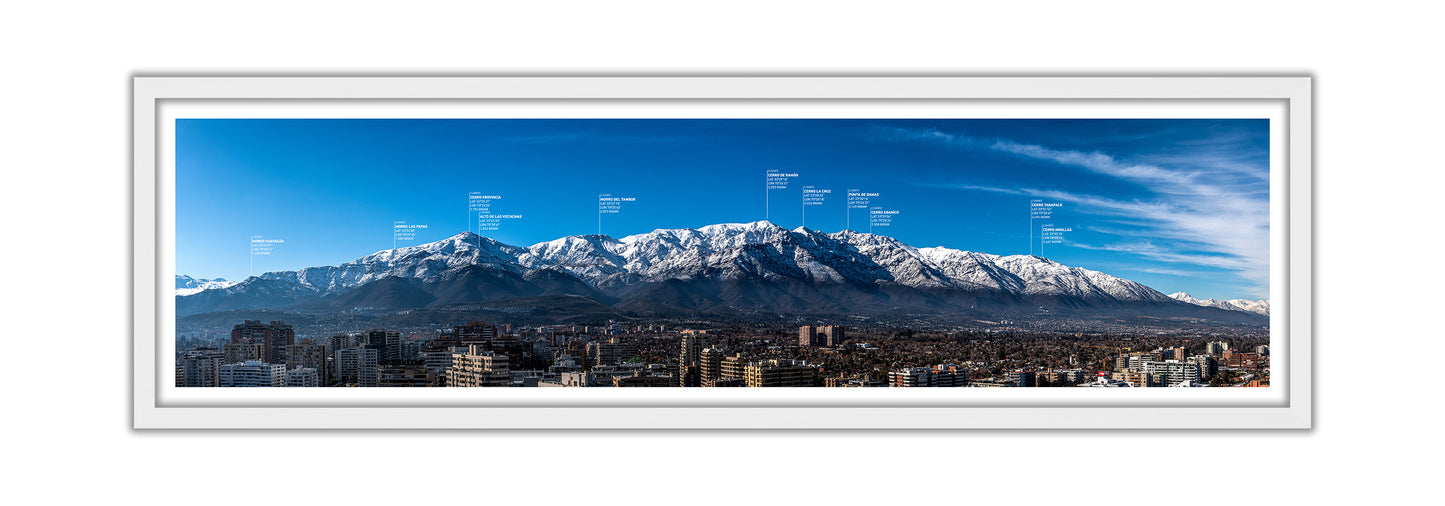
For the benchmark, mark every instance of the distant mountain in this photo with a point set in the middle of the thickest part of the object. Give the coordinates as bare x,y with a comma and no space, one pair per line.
251,293
427,262
1251,306
186,285
714,269
386,292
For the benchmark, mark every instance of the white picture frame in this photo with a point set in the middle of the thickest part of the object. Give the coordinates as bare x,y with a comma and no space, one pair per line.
156,99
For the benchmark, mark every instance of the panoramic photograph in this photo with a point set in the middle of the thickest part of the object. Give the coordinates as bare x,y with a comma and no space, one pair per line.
872,253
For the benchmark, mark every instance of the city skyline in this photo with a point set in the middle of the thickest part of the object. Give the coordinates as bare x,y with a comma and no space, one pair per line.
648,354
1179,205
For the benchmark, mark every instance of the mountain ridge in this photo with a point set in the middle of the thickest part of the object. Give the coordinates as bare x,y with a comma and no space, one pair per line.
757,265
186,285
1251,306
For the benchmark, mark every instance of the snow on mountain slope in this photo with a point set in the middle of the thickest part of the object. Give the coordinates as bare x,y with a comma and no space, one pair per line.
1250,306
186,285
1042,276
737,251
588,256
1253,306
425,261
975,269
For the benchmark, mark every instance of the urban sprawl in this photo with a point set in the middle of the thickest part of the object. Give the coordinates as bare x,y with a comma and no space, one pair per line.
479,354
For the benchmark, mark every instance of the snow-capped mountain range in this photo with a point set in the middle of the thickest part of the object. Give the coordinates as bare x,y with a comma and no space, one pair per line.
1252,306
737,265
186,285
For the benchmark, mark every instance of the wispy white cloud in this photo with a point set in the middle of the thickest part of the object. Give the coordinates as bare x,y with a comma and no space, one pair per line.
1192,212
1170,272
1097,162
1215,163
1150,250
1187,273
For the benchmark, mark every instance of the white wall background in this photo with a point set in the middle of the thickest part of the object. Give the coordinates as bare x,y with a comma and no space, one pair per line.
65,196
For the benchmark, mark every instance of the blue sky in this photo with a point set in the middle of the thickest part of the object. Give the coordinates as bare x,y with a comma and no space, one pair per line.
1175,204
